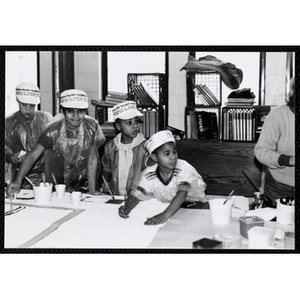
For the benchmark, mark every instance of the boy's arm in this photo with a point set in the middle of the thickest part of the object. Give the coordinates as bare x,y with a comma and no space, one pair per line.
14,187
130,203
169,211
92,171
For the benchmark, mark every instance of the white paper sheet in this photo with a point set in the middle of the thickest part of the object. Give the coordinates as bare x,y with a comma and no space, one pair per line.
101,227
21,227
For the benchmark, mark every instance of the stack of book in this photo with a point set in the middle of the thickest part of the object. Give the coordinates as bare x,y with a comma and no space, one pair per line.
104,107
104,111
239,124
143,95
202,125
241,98
204,96
150,123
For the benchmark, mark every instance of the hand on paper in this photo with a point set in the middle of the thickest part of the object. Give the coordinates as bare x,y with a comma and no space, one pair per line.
124,212
158,219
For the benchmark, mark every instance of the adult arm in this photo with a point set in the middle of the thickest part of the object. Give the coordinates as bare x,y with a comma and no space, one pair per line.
31,158
266,148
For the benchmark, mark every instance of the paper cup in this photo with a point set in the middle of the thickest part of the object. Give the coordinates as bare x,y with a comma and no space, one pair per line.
76,197
60,190
220,213
42,194
285,213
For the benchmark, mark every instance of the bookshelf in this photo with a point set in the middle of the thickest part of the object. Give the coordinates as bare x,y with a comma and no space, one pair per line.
149,92
203,110
238,124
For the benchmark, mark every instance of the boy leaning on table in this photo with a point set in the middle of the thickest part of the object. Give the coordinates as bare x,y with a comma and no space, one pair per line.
169,180
124,156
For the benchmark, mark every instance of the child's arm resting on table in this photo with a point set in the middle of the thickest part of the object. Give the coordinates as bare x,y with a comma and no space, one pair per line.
130,203
169,211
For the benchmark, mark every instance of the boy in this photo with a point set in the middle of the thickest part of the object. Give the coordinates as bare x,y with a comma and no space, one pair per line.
170,180
71,145
22,130
124,156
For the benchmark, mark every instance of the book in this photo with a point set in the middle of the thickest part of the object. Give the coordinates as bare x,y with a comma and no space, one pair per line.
151,122
177,133
204,95
211,95
141,96
207,126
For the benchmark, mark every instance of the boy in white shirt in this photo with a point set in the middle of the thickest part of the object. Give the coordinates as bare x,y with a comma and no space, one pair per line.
170,180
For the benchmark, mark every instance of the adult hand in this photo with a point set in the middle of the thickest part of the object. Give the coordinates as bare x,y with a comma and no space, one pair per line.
124,212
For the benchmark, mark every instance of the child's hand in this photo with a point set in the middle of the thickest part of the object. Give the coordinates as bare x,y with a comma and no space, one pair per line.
105,189
124,212
158,219
95,193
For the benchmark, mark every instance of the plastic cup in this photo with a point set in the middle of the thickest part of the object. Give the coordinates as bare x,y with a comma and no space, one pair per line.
76,197
43,193
60,190
285,213
220,213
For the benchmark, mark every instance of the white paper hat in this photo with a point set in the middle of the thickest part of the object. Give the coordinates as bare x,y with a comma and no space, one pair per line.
74,99
125,111
159,139
28,93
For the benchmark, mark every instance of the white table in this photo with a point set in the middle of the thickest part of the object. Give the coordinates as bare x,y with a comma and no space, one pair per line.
96,224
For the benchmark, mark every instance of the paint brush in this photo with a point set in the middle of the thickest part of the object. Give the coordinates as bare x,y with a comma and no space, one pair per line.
53,177
228,197
31,183
107,186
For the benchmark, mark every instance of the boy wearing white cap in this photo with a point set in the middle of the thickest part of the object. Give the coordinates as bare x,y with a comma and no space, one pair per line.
71,145
170,180
124,156
23,129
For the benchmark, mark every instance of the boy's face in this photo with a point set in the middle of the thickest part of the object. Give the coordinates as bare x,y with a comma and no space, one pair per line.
166,156
26,110
74,117
129,128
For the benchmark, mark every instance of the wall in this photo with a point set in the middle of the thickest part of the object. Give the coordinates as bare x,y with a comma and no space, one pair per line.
275,78
19,67
177,89
87,73
46,81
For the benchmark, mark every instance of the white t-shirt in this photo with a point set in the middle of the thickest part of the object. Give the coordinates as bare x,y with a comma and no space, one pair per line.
184,178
